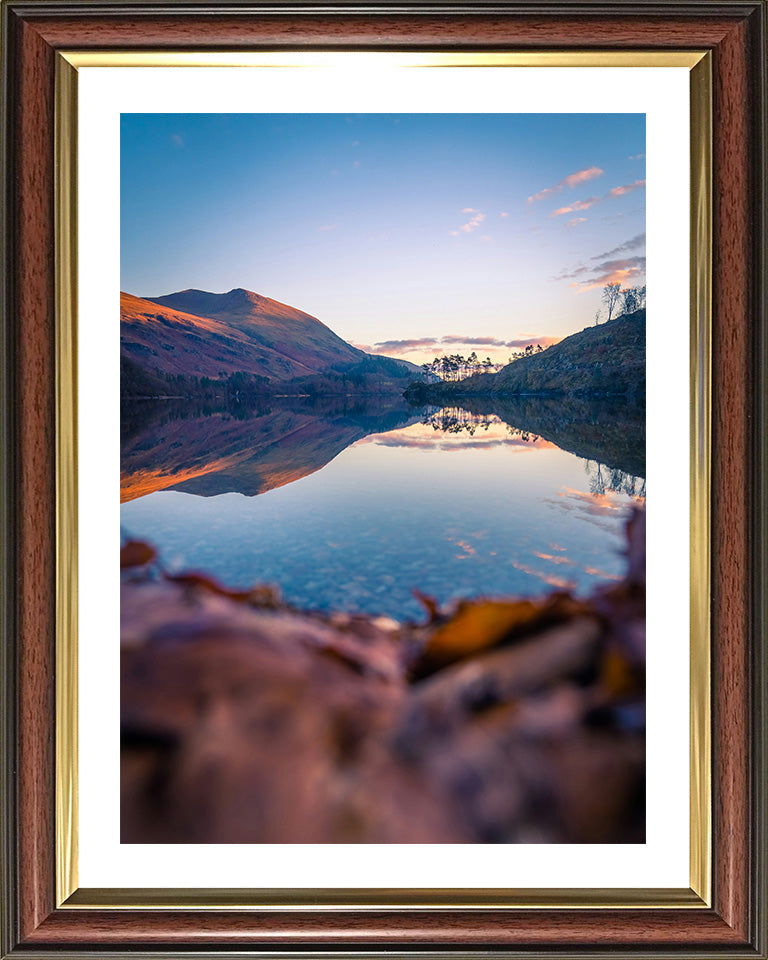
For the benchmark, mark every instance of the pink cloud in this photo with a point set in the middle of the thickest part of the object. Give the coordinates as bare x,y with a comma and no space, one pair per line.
626,188
404,346
586,204
581,176
610,270
571,181
576,206
614,271
473,224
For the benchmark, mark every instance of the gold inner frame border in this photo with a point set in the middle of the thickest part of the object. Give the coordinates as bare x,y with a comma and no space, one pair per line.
68,893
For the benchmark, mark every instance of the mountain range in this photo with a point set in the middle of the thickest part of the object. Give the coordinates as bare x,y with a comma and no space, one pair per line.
178,445
184,337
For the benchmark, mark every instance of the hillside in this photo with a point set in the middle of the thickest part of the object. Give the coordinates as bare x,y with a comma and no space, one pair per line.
189,447
181,338
607,431
599,361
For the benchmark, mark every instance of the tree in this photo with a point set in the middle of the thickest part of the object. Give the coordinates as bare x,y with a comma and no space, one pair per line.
629,300
597,316
611,294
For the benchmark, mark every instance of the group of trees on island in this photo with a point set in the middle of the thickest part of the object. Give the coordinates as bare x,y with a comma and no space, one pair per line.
456,367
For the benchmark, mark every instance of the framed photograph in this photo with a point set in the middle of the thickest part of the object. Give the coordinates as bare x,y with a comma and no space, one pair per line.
434,403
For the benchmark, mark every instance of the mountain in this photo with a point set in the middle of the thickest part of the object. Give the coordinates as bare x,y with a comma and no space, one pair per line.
174,445
599,361
193,334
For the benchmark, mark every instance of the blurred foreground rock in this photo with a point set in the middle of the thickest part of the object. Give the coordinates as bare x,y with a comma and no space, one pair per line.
497,721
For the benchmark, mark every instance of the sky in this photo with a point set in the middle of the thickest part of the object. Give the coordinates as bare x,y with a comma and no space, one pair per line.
409,235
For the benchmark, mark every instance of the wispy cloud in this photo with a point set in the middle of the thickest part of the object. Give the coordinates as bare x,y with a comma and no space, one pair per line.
576,206
177,139
633,244
576,221
454,340
607,267
609,271
626,188
503,213
404,346
637,156
576,271
586,204
571,181
616,271
472,224
474,341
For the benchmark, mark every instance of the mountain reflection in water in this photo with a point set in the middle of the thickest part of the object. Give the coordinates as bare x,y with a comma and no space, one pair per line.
351,505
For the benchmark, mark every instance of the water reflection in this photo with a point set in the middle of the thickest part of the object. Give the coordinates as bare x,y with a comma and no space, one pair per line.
200,449
348,505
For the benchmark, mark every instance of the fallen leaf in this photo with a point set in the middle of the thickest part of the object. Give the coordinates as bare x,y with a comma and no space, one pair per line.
618,676
136,553
477,626
429,603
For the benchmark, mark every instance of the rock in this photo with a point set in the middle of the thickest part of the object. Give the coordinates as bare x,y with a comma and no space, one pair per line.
246,721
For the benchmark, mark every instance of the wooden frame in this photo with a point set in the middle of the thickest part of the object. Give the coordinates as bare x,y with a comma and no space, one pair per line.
735,33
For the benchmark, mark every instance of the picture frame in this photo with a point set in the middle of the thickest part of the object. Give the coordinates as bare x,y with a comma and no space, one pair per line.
723,912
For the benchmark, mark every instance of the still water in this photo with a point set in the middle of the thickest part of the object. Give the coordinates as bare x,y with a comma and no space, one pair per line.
350,507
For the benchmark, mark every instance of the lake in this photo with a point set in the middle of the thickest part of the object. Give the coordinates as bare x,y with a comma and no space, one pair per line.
351,505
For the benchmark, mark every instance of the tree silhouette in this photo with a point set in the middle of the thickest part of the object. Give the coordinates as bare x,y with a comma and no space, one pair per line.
611,295
629,300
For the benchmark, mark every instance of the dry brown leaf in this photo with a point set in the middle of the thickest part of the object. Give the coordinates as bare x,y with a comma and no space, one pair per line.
477,626
429,603
136,553
618,677
259,596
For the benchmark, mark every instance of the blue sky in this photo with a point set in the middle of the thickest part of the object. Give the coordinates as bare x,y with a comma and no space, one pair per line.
397,231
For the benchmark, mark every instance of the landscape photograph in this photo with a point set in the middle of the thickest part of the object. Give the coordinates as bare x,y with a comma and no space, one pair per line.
383,478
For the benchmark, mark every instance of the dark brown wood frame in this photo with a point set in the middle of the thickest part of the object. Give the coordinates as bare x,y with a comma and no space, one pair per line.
735,32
